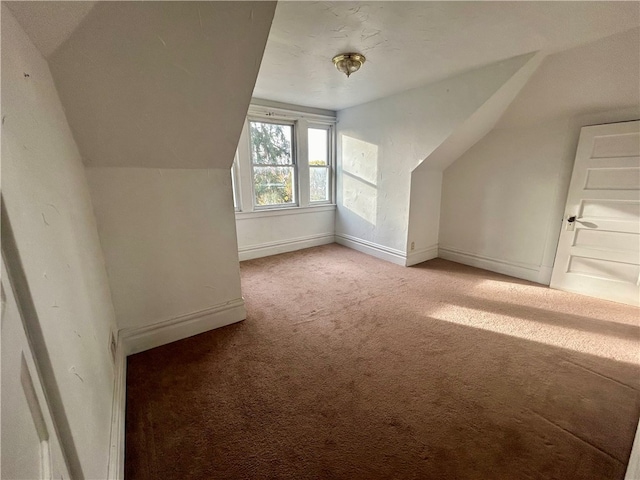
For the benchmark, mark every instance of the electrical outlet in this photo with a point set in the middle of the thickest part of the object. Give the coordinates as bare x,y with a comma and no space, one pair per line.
413,245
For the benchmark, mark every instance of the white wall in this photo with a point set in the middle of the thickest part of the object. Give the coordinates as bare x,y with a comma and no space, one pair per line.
48,205
381,142
157,108
426,178
503,200
498,199
169,241
424,215
272,231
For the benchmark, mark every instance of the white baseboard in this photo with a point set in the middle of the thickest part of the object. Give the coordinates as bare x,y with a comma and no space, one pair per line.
284,246
422,255
117,437
532,273
135,340
143,338
544,275
379,251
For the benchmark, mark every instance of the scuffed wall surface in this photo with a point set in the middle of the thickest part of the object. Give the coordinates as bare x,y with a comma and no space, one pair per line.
156,94
169,240
49,207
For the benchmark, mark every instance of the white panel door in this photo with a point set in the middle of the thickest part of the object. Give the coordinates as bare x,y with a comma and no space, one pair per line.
30,447
599,249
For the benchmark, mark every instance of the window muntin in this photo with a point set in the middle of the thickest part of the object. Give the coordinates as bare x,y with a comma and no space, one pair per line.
270,178
273,163
318,139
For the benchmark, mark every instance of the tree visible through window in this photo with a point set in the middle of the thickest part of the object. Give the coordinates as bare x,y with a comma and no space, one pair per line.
318,164
273,163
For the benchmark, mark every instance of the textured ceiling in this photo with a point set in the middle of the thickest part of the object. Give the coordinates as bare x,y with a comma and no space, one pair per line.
408,44
49,24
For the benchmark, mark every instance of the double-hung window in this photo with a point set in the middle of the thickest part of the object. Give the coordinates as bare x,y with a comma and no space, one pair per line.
319,143
285,159
273,163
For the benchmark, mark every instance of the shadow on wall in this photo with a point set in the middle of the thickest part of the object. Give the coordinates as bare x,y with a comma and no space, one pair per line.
360,177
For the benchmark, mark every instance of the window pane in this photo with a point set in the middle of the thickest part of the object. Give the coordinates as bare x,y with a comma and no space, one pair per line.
318,146
271,143
273,185
319,184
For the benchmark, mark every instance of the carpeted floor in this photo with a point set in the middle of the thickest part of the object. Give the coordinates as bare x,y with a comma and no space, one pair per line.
349,367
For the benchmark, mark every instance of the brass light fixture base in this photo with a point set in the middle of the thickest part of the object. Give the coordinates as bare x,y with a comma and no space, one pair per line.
348,63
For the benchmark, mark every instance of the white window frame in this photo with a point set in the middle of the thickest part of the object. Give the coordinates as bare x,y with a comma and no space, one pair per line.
235,184
294,164
330,128
301,121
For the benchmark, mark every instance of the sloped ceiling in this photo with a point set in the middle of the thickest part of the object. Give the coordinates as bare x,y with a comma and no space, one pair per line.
166,84
601,76
161,84
410,44
482,120
49,24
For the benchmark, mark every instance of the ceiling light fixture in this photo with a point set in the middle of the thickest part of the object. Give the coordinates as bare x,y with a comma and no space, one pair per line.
348,63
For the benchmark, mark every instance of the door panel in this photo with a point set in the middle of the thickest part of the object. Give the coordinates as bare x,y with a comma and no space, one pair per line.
602,239
30,446
621,210
599,248
612,143
603,268
613,178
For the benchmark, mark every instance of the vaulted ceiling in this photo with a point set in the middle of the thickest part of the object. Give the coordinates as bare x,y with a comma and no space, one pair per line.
166,84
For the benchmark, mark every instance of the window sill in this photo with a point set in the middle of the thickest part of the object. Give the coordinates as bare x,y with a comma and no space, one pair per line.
277,212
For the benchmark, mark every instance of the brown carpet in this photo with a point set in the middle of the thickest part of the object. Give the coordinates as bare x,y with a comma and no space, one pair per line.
349,367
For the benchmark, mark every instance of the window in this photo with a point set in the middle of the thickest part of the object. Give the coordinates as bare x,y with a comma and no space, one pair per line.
319,173
284,160
273,163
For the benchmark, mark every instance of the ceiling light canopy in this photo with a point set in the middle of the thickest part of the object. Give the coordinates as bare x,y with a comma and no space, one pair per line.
348,63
